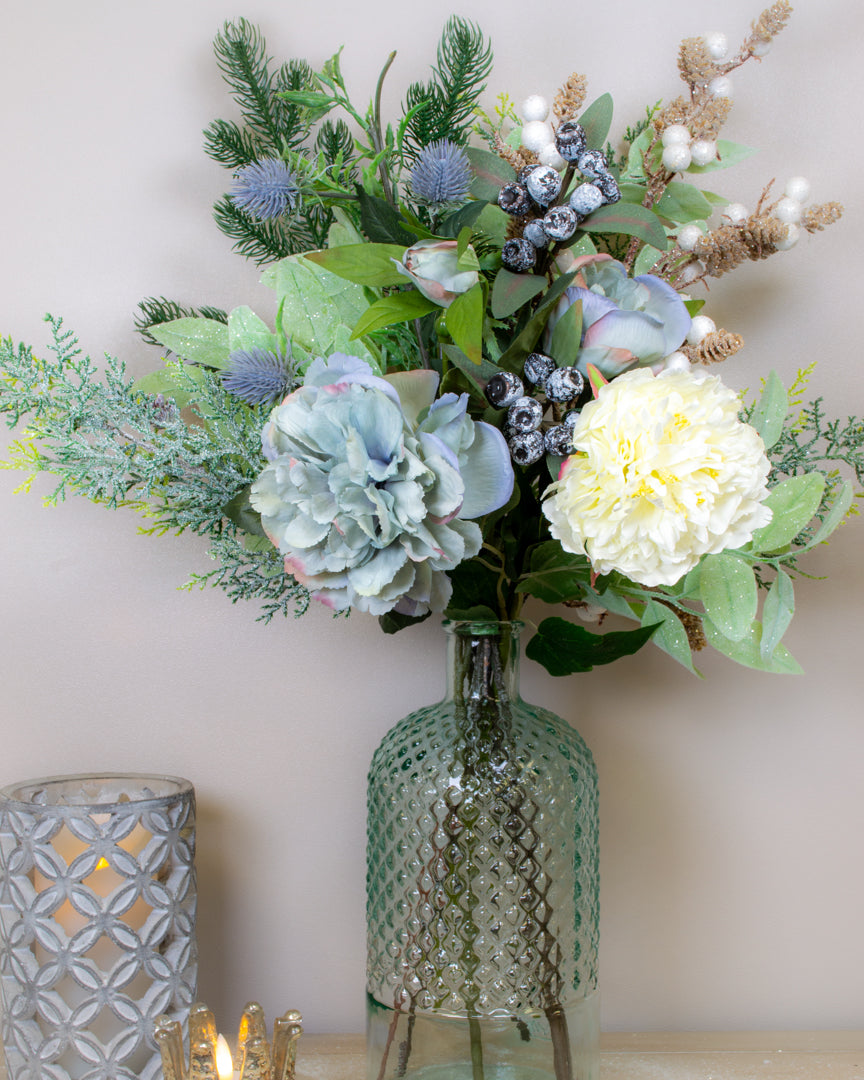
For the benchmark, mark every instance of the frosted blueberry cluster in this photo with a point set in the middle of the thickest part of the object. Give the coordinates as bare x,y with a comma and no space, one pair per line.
538,194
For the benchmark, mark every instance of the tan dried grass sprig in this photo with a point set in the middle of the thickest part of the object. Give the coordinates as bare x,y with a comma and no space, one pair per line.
695,62
519,159
815,218
714,347
727,247
570,98
772,20
704,117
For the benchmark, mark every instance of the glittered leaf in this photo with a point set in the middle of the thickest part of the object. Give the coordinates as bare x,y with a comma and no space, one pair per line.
770,411
728,154
839,509
748,650
202,341
670,634
777,612
364,264
728,590
793,503
683,203
397,308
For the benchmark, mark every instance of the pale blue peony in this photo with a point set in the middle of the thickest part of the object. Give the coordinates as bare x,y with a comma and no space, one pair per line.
625,321
371,483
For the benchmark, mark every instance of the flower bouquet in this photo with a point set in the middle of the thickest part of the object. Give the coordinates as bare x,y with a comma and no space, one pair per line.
487,378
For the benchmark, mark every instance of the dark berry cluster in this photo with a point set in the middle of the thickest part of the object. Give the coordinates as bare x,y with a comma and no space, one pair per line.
526,436
535,194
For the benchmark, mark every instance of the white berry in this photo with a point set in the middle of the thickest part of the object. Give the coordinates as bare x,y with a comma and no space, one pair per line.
788,210
689,237
703,151
793,234
536,134
549,156
675,135
736,212
676,158
760,46
700,327
691,272
798,187
678,361
720,87
535,107
718,44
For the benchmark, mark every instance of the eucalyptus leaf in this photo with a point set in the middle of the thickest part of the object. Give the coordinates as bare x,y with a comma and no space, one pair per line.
202,341
397,308
777,612
793,503
748,651
309,315
464,322
727,587
567,336
477,374
491,173
597,120
247,331
511,291
646,260
364,264
629,219
728,154
683,203
770,411
670,634
564,648
839,509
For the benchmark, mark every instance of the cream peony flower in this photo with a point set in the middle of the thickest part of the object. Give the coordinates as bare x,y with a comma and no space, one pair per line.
664,473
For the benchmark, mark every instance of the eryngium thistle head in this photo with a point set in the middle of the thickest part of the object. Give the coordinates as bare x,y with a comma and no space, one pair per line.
265,189
258,376
441,173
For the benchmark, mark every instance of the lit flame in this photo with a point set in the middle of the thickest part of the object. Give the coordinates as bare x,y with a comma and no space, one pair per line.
102,864
224,1064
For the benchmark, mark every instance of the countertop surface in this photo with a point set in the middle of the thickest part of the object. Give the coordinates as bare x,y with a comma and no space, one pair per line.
748,1055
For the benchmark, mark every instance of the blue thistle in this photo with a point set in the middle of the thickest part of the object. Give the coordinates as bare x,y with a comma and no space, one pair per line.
265,189
257,375
441,174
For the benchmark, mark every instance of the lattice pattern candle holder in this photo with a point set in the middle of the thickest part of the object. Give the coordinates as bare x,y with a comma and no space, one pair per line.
97,923
210,1058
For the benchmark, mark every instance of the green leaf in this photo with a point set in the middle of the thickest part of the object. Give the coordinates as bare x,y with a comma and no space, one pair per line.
770,412
477,374
567,336
646,260
247,331
468,214
397,308
381,222
555,575
493,223
309,316
393,622
793,503
670,634
777,612
510,291
202,341
629,219
635,163
523,344
242,513
308,99
694,307
364,264
491,173
597,120
683,203
727,587
464,322
164,382
563,648
839,509
748,651
728,154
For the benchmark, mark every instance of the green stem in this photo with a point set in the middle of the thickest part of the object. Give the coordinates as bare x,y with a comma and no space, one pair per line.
375,132
476,1048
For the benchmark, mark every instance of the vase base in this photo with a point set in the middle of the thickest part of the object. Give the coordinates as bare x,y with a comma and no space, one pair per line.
437,1046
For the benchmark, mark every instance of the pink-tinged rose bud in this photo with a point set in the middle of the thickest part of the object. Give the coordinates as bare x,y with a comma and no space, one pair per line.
431,265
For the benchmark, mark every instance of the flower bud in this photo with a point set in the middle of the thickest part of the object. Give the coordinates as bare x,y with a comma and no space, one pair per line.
432,267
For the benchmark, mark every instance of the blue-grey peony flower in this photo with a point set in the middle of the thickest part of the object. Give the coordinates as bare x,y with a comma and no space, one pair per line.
257,375
371,483
625,321
265,189
442,173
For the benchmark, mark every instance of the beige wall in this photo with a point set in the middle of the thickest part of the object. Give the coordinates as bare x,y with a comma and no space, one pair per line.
731,807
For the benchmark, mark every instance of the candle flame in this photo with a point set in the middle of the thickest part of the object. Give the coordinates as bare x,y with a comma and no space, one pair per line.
103,864
224,1064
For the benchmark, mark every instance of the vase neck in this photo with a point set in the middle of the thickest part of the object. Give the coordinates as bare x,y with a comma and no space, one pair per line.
483,661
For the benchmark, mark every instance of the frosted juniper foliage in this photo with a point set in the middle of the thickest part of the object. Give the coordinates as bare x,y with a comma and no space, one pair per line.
115,445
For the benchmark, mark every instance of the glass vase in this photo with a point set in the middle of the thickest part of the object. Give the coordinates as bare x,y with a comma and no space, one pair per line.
482,882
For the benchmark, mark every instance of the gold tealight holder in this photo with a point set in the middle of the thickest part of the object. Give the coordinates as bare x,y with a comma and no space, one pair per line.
210,1057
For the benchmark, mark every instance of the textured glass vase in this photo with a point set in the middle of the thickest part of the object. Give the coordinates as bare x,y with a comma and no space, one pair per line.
482,882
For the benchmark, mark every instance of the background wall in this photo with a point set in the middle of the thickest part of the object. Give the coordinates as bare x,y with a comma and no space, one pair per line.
731,807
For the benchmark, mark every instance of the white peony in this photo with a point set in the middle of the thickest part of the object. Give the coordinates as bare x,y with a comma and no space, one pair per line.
664,472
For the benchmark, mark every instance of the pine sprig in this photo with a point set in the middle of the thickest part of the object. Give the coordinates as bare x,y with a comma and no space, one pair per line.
450,97
262,241
231,146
